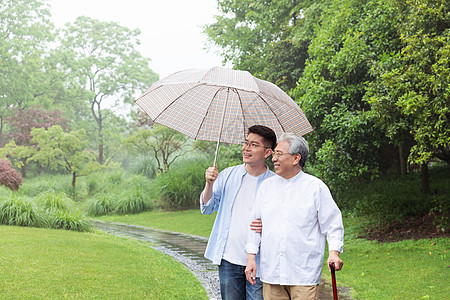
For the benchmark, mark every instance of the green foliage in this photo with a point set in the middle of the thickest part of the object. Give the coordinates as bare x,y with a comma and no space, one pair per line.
46,183
181,187
27,77
412,88
392,198
101,204
69,220
135,202
49,209
267,38
165,144
143,165
345,144
18,210
103,63
114,178
51,200
59,149
118,191
441,213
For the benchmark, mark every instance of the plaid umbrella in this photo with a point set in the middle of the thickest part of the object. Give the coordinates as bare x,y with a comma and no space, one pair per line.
220,104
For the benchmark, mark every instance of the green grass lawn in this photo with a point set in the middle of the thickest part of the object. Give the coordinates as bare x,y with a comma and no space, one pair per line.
57,264
401,270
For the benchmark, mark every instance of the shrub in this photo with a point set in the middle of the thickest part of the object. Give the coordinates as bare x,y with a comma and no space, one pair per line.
8,176
143,165
50,200
136,196
101,204
35,186
114,178
394,197
19,210
92,184
133,203
59,219
180,188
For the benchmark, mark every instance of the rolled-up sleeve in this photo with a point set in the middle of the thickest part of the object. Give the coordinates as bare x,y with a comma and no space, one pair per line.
213,203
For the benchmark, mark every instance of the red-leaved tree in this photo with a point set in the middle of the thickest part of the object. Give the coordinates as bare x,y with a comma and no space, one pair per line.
23,121
8,176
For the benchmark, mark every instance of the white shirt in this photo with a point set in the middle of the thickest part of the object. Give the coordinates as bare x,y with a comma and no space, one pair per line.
237,235
297,214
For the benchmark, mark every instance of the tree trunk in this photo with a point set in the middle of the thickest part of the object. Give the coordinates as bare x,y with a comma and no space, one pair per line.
1,131
425,178
402,157
97,113
100,148
74,178
39,169
23,170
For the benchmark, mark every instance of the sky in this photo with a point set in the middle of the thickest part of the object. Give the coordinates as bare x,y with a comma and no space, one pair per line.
171,33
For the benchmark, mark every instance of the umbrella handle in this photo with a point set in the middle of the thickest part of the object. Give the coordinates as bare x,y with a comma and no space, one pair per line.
333,280
215,155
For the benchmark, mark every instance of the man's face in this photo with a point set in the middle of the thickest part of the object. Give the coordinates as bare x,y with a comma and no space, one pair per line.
254,151
283,162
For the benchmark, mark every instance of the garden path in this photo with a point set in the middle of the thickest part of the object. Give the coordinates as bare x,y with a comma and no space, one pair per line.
189,250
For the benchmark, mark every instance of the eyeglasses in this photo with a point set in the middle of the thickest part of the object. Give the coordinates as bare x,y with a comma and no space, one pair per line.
280,154
253,146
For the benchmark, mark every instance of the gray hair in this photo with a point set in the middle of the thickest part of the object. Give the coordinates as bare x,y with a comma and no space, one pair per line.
297,144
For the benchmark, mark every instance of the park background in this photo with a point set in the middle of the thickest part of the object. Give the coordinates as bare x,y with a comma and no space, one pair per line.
372,77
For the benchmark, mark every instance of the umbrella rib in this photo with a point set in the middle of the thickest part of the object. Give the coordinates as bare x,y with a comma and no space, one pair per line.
243,115
207,111
271,110
174,100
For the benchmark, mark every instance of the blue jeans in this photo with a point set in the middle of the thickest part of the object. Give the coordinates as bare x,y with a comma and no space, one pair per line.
234,285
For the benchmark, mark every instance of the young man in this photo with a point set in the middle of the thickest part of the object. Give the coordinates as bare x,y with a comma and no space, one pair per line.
297,213
231,193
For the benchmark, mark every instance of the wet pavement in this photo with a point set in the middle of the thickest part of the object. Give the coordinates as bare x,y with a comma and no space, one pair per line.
189,251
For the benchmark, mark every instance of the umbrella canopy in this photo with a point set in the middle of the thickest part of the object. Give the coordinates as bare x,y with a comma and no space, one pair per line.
220,104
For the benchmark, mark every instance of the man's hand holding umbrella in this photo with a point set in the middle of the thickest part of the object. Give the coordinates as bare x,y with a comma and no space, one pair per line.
210,175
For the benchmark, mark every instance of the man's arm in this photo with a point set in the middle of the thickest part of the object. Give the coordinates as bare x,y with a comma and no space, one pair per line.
333,257
250,270
330,220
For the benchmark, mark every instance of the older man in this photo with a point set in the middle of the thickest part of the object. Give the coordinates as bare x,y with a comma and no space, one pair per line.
297,213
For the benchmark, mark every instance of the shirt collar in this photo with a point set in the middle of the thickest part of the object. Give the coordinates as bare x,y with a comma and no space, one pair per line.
263,175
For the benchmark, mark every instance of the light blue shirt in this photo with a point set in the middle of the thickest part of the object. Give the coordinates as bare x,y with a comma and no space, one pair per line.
225,189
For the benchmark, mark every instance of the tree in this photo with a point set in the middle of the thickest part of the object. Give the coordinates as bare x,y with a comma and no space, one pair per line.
413,83
25,74
21,123
267,38
164,143
8,176
346,143
101,59
57,149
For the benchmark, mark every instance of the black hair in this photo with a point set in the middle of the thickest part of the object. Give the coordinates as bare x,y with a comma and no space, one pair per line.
269,136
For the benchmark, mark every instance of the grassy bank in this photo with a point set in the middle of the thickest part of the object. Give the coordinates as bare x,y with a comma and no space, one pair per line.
58,264
403,270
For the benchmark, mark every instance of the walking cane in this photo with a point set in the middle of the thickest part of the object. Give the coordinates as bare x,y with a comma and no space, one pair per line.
333,280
